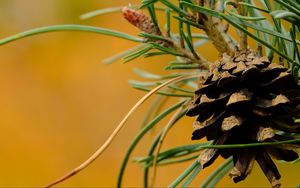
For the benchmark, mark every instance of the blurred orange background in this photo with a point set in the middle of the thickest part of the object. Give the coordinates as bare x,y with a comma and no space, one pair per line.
59,103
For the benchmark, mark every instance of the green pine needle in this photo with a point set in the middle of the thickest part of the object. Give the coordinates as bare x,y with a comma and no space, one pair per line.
84,28
140,135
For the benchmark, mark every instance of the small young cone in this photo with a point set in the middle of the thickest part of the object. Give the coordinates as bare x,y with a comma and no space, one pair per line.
140,20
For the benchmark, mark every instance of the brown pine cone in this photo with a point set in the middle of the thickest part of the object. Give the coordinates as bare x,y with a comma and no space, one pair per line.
247,99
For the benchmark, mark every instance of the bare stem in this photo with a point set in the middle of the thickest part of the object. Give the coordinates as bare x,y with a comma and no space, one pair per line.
204,64
194,58
216,31
243,36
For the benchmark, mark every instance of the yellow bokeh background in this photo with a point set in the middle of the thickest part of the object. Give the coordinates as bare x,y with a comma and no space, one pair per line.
59,103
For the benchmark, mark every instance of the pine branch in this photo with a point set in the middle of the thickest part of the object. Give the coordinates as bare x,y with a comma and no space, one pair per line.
243,36
214,28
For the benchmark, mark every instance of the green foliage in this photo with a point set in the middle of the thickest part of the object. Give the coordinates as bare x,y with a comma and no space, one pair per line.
140,135
182,176
213,179
54,28
275,25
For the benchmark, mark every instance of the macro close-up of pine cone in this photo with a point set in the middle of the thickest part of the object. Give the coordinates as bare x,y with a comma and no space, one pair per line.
219,83
247,99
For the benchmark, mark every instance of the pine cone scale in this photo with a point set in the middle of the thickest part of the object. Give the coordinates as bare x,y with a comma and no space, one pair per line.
269,169
243,164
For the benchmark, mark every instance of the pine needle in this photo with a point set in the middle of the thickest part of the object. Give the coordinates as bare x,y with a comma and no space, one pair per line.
173,119
117,130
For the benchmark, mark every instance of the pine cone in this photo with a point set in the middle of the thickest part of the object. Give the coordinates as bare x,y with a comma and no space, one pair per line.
247,99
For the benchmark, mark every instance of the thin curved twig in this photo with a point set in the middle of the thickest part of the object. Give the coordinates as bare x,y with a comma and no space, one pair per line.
166,129
117,130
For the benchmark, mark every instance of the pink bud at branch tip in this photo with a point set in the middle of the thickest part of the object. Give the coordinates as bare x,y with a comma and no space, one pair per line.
140,20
